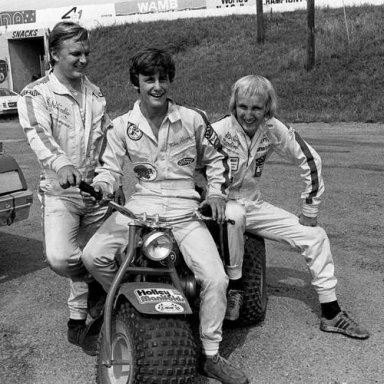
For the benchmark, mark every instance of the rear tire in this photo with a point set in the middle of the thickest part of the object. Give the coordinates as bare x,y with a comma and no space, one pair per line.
254,277
156,349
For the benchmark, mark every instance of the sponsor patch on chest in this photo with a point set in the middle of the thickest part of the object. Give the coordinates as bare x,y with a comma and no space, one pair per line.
145,171
264,146
231,142
259,166
234,163
58,107
185,161
181,141
134,133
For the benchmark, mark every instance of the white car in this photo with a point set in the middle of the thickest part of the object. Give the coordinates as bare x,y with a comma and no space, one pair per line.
8,101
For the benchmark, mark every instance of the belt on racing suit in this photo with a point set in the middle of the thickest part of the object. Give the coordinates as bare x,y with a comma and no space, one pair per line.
170,188
168,184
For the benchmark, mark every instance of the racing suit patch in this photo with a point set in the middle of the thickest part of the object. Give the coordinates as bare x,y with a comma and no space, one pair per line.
99,93
259,166
145,171
55,105
185,161
231,142
30,92
212,137
134,133
234,163
182,141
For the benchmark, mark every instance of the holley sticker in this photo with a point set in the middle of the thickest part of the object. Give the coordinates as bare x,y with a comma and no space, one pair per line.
154,295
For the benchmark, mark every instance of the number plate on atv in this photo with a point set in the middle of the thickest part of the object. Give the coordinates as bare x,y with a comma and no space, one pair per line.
156,298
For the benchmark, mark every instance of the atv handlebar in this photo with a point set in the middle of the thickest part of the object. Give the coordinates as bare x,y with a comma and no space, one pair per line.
202,213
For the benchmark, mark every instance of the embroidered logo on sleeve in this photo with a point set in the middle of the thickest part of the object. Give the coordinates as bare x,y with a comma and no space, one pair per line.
212,137
30,92
134,133
145,171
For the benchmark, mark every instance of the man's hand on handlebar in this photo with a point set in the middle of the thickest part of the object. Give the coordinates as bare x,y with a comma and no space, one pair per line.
68,176
217,205
93,194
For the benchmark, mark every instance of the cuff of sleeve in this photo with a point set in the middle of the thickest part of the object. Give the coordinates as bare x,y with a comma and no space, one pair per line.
219,196
104,186
59,163
310,210
214,192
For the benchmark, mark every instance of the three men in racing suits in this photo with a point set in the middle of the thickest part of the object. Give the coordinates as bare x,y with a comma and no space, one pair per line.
250,135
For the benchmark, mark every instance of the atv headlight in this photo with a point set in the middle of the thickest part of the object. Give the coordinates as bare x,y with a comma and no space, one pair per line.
157,245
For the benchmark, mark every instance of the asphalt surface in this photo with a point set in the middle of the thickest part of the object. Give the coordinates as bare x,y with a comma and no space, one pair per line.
288,346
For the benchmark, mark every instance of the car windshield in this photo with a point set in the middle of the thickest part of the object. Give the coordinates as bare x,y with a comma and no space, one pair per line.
7,92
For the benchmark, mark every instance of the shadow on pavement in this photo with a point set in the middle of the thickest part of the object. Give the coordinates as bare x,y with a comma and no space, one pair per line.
285,282
19,256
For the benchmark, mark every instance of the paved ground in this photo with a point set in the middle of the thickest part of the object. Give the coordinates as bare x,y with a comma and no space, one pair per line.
288,346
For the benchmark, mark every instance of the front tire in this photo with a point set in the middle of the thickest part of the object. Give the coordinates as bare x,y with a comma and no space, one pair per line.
154,349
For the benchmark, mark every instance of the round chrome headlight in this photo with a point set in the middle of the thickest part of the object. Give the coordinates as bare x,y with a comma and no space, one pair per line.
157,245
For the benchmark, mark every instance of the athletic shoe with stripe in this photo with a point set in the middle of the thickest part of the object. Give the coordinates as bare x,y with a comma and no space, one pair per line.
234,303
222,370
343,324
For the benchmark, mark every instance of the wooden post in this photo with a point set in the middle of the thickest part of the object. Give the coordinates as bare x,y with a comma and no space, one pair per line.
310,34
260,22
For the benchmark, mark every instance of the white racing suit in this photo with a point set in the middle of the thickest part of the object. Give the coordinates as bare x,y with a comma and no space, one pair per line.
245,206
61,133
165,169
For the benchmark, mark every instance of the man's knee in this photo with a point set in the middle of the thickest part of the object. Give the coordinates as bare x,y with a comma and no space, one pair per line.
95,256
88,257
60,263
318,236
217,280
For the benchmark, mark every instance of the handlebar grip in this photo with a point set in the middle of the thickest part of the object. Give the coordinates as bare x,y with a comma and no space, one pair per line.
206,210
98,195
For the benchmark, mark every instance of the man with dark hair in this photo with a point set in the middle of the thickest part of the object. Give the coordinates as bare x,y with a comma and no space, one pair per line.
164,142
64,118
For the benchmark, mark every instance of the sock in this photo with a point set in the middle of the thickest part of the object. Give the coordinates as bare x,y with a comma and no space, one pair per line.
237,284
330,310
72,323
